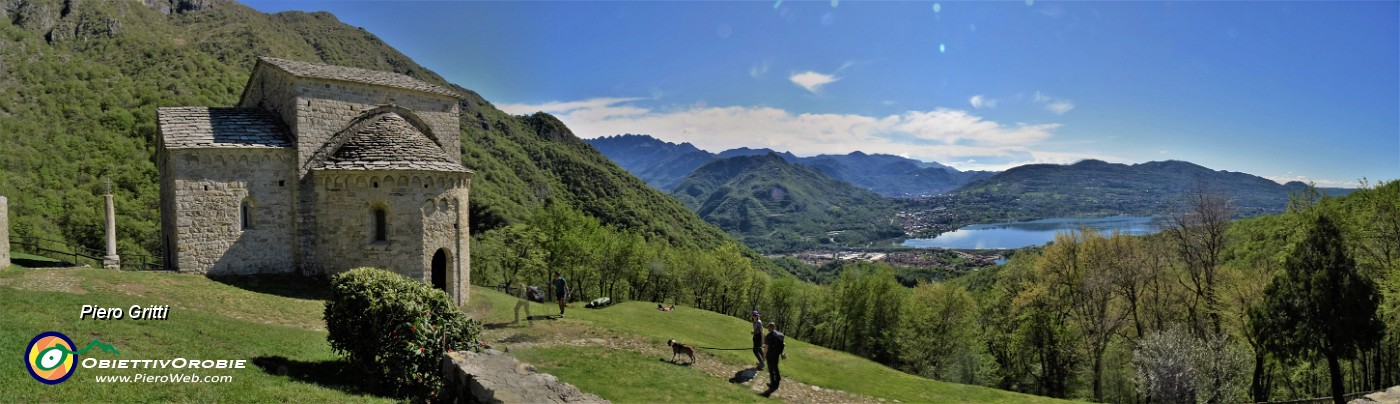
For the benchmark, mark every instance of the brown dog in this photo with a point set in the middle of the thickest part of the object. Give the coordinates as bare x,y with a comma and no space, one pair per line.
681,349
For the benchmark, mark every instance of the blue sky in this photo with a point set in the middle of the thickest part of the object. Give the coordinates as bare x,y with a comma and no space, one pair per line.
1285,90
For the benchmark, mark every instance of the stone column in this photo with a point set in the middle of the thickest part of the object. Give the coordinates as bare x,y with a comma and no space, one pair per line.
111,260
4,232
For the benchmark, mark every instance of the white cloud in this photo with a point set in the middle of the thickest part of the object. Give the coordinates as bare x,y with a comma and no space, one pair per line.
978,101
964,140
812,81
1060,107
758,69
1057,105
557,106
1284,179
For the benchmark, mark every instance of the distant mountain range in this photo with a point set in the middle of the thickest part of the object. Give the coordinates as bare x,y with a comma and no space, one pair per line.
658,163
662,164
1093,187
775,205
776,201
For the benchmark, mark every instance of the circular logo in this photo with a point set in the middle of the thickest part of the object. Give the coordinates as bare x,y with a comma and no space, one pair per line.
50,358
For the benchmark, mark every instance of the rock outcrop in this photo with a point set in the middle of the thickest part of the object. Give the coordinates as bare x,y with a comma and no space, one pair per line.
494,377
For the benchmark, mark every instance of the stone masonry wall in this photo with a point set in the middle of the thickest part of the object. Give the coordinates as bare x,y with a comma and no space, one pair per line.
445,227
326,107
426,211
4,232
270,89
207,188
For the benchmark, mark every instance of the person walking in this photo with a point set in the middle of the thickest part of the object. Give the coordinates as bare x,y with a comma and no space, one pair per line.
773,349
757,338
561,291
521,293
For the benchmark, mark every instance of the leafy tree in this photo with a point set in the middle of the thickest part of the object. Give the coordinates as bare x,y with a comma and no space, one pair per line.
518,252
867,301
1200,235
1079,271
1320,304
938,327
1174,366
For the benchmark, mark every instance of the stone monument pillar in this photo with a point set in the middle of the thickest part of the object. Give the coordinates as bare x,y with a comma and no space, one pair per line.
4,232
111,260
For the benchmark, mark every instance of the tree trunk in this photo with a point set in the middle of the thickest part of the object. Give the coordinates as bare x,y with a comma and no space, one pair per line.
1259,390
1098,376
1334,365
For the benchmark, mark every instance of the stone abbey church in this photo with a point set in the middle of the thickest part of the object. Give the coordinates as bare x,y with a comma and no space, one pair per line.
317,170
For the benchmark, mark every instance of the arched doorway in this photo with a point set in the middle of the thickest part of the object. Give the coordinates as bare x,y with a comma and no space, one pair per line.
440,269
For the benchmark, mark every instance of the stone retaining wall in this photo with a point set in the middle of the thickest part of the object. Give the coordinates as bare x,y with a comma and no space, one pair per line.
494,377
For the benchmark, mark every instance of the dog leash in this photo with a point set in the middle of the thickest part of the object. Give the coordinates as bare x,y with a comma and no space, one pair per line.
723,349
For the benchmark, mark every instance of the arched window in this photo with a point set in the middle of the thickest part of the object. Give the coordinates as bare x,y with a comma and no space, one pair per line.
245,215
379,225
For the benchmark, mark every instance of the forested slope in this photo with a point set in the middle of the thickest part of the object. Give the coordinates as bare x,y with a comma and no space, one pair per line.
82,80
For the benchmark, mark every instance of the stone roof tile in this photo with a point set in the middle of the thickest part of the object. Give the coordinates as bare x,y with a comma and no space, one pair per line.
191,127
351,74
389,142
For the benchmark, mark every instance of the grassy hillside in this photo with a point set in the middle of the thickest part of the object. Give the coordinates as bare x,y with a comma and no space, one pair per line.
83,78
620,353
615,352
774,205
276,328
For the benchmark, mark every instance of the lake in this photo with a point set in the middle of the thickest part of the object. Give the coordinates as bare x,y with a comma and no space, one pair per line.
1035,232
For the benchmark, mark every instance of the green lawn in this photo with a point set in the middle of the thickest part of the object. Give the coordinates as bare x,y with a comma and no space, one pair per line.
626,376
599,372
275,324
276,327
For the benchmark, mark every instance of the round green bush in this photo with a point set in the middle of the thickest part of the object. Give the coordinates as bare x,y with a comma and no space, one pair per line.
396,329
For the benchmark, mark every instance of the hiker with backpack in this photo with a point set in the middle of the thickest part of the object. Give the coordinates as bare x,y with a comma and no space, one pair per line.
773,347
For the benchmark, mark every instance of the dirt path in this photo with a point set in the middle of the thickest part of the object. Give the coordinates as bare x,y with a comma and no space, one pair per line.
571,333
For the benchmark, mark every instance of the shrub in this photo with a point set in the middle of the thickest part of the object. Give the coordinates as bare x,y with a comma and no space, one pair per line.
395,329
1173,366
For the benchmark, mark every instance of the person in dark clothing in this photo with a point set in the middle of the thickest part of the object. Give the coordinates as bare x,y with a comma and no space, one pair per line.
561,291
773,349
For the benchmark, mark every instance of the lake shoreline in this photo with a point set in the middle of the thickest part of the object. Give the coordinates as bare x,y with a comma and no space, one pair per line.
1033,233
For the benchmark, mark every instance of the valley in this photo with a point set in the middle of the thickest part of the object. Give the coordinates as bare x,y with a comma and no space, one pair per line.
777,202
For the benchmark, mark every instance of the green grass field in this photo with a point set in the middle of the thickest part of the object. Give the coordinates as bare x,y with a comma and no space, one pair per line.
628,377
275,326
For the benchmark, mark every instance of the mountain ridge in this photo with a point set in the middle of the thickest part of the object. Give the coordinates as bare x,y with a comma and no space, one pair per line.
1098,187
662,164
775,205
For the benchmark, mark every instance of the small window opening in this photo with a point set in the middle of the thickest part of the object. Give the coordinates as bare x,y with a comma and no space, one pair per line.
245,214
376,185
380,231
282,183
